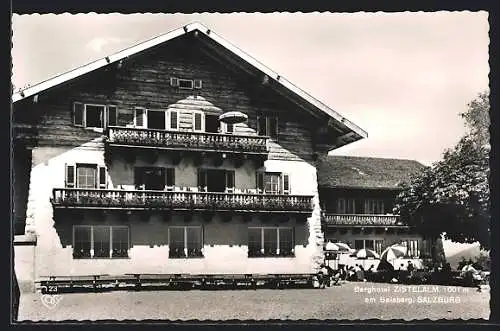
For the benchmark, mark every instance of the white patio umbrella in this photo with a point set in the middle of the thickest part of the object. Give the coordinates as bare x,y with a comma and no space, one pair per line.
331,247
366,254
343,247
393,252
233,117
468,267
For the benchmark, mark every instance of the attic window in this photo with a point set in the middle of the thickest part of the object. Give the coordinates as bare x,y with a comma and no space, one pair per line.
187,84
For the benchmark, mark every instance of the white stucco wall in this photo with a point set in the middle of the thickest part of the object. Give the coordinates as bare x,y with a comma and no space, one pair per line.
55,258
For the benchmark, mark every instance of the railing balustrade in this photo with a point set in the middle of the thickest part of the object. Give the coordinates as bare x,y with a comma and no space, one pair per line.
142,199
187,139
360,219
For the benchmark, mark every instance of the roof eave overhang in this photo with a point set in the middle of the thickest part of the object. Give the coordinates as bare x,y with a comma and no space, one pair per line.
351,134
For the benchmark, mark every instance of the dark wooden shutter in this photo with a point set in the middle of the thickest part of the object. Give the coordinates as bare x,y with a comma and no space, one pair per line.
272,122
197,121
286,184
173,119
102,177
174,81
112,116
261,125
202,179
70,175
78,119
260,182
139,117
138,177
230,181
170,180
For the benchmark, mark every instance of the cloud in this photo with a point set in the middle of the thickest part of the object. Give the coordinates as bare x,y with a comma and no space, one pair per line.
97,43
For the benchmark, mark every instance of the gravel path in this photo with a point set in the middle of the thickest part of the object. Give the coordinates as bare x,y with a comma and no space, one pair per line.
348,301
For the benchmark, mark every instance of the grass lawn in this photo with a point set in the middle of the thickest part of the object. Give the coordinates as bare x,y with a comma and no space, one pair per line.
350,300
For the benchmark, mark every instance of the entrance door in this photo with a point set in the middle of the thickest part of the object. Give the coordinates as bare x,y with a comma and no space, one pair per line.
156,119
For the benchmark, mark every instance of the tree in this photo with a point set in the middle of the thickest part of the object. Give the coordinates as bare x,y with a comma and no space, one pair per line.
452,196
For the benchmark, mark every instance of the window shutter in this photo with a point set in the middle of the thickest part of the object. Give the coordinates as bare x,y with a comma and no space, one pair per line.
272,122
367,207
173,120
139,117
70,175
202,183
78,119
138,177
174,81
286,184
170,180
261,125
341,206
197,83
102,177
260,182
230,181
112,116
198,122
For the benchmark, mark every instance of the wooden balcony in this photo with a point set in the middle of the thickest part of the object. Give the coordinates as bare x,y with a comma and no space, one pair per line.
186,140
361,219
162,200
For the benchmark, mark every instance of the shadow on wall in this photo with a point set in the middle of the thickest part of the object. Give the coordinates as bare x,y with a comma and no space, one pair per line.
151,229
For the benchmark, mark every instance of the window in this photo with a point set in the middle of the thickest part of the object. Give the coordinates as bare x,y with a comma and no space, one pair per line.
88,176
227,127
94,116
100,241
413,248
273,183
372,244
270,241
267,126
185,241
198,121
374,206
346,206
185,83
173,120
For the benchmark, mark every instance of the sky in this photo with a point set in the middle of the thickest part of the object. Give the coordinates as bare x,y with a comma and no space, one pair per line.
402,77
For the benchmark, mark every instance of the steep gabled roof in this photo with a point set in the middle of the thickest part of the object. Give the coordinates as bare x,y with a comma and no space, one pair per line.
356,132
364,172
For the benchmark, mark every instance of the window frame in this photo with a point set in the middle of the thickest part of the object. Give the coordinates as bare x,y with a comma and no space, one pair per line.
267,129
277,254
374,207
100,184
202,119
374,241
144,118
185,242
183,80
103,115
260,182
168,116
92,241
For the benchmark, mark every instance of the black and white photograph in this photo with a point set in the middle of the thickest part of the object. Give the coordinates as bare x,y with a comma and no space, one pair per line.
251,166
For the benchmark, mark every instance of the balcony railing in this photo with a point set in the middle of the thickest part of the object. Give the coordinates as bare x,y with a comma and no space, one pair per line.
361,219
139,199
180,140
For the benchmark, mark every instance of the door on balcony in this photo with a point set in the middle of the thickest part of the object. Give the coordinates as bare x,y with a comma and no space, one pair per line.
156,119
150,178
216,180
211,123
